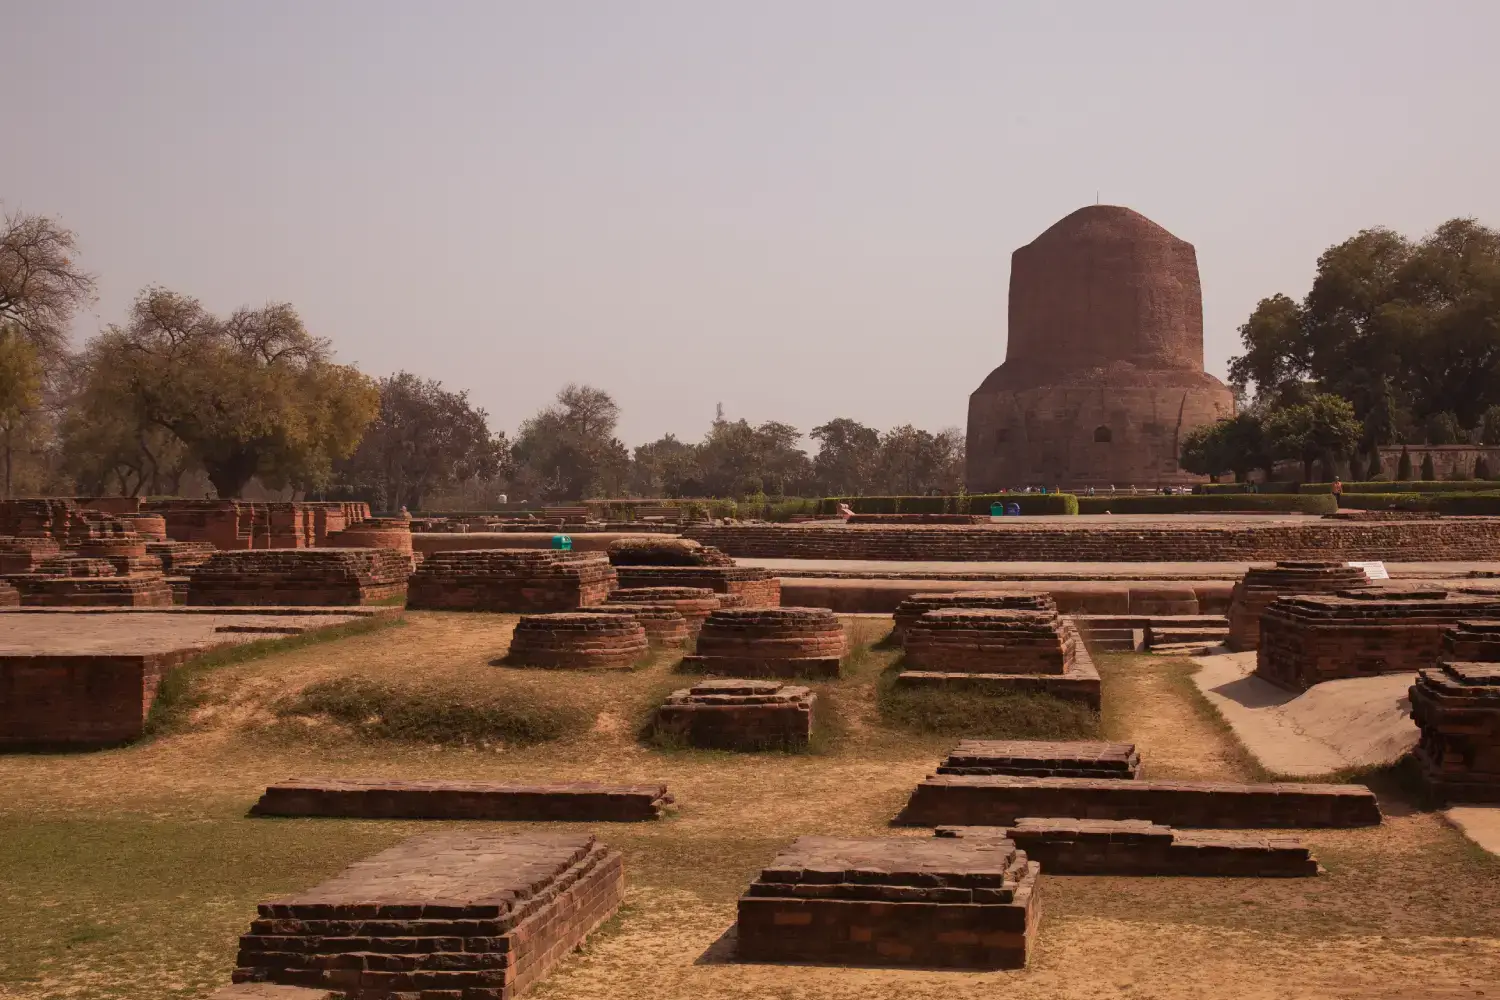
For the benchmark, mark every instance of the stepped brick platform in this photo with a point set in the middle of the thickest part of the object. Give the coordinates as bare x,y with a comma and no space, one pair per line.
1140,847
739,715
1010,600
1263,584
515,580
1044,759
641,550
80,581
577,641
1203,538
456,915
664,624
571,801
374,533
322,577
1359,633
179,558
10,597
759,587
955,903
1456,705
695,604
1079,682
990,641
26,555
151,527
769,642
1002,800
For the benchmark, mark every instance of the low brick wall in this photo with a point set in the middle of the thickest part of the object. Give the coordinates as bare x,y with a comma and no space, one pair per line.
914,607
1002,800
138,590
943,903
577,641
1073,597
324,577
1140,847
758,587
1263,584
1079,683
694,604
50,701
665,626
769,642
1322,637
513,580
739,715
1077,540
454,915
989,641
568,801
1044,759
1456,705
178,558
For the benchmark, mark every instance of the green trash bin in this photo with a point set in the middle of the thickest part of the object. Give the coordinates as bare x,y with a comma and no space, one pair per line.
997,510
563,543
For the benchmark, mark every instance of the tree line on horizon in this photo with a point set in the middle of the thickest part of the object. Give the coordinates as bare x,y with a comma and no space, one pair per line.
175,398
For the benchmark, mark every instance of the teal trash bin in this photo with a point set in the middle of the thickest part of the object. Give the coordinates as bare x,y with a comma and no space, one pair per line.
997,510
563,543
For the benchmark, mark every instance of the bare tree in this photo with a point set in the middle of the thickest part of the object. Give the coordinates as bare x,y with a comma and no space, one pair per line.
41,284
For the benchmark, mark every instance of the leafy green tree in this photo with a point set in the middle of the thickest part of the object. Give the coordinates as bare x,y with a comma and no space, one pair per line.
848,456
665,467
1489,426
1403,467
1442,428
424,440
1323,428
916,462
20,388
1428,473
1481,468
1203,452
737,459
254,395
568,451
1236,444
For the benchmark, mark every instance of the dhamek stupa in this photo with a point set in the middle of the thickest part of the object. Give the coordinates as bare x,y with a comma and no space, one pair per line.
1103,372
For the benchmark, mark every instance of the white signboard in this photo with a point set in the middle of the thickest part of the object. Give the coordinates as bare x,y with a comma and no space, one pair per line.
1373,570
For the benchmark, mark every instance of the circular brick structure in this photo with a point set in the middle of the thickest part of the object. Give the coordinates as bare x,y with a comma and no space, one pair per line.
664,624
915,607
1103,374
578,641
152,527
374,533
990,641
1263,584
694,603
770,642
113,546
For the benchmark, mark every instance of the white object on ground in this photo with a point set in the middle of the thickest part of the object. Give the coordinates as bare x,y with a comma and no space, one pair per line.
1373,570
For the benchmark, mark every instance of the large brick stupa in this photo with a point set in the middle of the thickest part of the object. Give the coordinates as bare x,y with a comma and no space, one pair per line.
1103,375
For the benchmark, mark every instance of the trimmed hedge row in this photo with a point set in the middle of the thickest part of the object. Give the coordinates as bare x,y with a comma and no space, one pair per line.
1441,503
1209,504
971,503
1413,486
1213,489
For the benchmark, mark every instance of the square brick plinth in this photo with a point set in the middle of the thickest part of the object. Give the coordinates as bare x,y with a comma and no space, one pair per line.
577,801
458,916
894,901
299,577
1044,759
514,580
1001,800
1078,682
740,715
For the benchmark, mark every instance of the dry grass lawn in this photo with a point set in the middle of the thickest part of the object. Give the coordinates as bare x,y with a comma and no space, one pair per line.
130,873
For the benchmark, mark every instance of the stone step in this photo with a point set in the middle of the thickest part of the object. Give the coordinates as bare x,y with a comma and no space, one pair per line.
579,801
1000,800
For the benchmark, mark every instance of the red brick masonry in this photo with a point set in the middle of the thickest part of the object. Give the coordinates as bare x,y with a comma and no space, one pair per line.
1080,682
1044,759
740,715
515,580
894,901
571,801
693,603
577,641
769,642
1139,847
916,606
1359,633
1263,584
990,641
466,916
1001,800
1457,707
759,587
321,577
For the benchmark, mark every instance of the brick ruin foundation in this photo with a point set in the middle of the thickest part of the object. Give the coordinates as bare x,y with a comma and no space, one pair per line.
950,903
739,715
1002,800
577,641
917,605
247,524
759,588
511,580
1456,705
376,533
299,577
769,642
477,916
694,604
1359,633
1044,759
1072,539
990,641
665,626
564,801
1263,584
1139,847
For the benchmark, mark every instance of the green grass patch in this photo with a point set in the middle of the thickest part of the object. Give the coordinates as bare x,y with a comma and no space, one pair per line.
179,692
961,710
448,716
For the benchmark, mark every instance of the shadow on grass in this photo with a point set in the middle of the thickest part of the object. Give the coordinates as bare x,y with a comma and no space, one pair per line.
971,710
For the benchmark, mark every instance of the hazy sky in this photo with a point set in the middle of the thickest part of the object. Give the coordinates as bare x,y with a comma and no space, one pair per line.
799,209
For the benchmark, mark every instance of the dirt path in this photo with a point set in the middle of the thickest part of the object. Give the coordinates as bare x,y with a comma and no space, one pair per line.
1148,702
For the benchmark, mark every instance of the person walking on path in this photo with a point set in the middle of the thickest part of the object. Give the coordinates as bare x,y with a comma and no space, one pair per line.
1338,490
